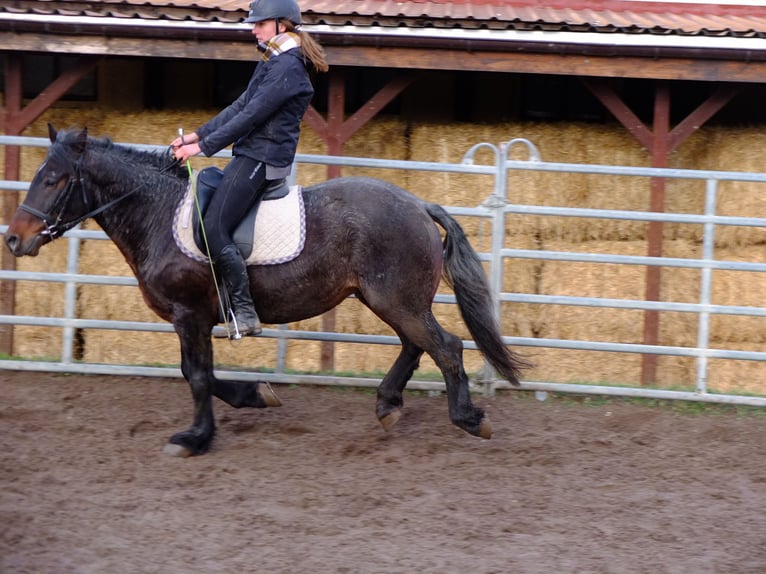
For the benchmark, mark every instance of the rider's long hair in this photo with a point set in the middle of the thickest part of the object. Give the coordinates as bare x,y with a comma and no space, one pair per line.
311,49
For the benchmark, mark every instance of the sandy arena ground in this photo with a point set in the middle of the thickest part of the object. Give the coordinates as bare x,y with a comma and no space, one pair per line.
564,486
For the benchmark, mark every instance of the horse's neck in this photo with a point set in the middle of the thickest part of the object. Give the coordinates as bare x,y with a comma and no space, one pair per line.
142,210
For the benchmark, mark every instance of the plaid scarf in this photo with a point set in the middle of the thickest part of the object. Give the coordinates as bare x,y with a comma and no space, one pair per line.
279,44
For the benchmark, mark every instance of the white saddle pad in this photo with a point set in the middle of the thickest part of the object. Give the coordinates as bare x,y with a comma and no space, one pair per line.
279,234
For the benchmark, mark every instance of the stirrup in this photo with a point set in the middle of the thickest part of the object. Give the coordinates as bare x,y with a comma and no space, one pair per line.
237,334
231,328
254,332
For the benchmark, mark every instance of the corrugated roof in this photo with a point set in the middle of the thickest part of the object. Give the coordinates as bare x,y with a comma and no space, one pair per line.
606,16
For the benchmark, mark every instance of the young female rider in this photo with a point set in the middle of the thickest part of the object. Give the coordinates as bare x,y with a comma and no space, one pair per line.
264,125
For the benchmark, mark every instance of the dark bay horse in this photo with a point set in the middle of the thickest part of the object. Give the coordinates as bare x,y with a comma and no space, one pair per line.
363,236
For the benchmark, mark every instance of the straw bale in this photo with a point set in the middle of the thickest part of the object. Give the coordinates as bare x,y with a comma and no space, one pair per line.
586,367
385,138
606,368
448,144
622,282
728,376
738,288
727,288
725,149
41,299
592,280
556,143
307,173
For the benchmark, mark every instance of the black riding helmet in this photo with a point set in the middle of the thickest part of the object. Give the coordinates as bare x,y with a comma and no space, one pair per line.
261,10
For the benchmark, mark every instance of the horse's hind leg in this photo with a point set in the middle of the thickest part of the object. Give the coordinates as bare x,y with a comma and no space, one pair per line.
423,333
463,413
390,401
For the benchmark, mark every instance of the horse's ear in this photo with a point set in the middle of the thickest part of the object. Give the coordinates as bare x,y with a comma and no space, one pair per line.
81,140
52,133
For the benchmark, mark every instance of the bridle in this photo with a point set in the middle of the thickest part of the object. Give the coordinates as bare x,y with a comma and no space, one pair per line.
54,227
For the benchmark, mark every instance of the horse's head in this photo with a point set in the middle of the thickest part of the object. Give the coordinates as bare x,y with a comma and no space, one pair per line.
56,199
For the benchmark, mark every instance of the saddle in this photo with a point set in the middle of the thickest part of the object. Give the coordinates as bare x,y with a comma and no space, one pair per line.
273,232
243,236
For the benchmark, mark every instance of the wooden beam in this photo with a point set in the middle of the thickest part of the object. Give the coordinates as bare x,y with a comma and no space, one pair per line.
508,60
375,105
722,96
10,199
612,102
555,64
20,119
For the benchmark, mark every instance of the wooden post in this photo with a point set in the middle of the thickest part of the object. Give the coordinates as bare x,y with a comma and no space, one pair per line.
10,198
654,234
661,141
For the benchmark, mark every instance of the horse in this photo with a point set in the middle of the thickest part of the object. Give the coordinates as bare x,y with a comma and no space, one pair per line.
363,237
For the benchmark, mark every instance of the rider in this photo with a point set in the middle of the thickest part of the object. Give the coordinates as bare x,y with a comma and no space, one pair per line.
263,123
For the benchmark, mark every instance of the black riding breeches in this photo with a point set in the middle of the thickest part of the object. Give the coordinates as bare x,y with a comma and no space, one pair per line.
242,185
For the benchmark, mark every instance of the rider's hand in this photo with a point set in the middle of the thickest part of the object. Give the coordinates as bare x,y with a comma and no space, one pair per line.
184,152
184,140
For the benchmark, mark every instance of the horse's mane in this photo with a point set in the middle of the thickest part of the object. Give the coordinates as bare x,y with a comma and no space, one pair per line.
160,162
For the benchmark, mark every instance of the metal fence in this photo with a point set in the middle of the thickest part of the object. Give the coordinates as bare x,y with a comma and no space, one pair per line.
494,210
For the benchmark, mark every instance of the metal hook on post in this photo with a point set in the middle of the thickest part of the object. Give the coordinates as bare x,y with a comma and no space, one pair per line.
534,153
468,157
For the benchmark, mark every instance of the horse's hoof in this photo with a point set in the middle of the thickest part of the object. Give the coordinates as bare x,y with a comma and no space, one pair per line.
269,396
390,419
176,450
485,430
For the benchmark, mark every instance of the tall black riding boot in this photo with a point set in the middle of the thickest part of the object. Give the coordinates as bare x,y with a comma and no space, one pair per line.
231,265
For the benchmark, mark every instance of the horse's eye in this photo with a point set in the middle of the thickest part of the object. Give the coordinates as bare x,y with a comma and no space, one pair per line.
50,182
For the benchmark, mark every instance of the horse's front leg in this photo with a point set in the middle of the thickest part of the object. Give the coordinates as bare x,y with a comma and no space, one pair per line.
197,368
255,394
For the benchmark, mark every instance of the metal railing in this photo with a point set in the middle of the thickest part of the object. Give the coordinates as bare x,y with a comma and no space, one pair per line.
494,209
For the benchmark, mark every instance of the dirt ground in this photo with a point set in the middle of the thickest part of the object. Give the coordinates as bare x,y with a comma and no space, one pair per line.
564,486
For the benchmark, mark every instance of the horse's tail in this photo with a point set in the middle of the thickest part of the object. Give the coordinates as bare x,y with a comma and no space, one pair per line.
464,273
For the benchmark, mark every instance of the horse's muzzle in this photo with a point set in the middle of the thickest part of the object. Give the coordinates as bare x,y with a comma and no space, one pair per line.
25,239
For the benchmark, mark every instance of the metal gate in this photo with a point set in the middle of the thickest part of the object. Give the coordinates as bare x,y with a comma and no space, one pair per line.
494,210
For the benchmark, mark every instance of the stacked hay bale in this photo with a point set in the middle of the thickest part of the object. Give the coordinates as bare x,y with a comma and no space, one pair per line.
711,148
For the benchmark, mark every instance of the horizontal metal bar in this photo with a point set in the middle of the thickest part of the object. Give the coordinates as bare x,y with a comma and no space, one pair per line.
634,215
392,340
174,372
633,260
11,185
637,392
544,166
635,348
437,386
632,304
